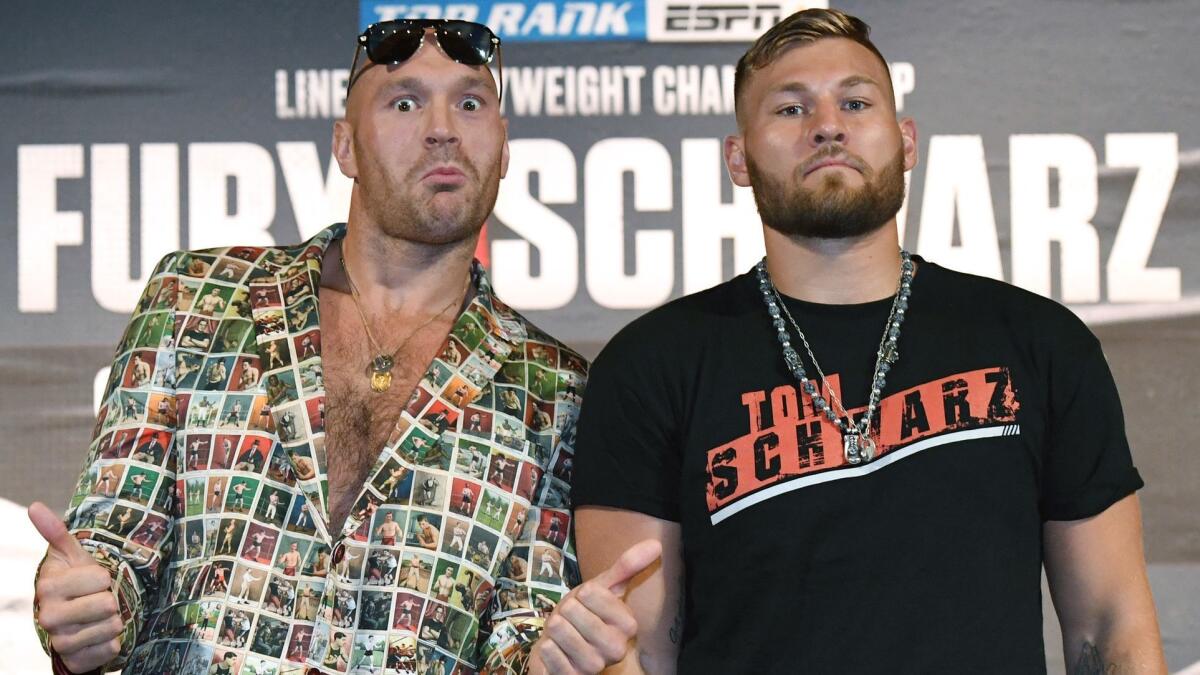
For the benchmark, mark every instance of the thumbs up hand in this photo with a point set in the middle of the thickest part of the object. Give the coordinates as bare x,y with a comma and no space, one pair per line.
76,605
591,627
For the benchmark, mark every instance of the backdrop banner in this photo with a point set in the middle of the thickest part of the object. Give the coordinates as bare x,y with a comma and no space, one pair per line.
1058,144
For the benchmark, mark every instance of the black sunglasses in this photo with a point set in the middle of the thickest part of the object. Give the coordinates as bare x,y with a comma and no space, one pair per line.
392,42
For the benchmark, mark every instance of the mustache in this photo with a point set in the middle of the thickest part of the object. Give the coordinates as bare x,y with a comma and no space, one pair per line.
440,157
833,151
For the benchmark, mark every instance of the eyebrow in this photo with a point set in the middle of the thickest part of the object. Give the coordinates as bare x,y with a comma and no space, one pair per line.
801,88
403,84
414,84
855,80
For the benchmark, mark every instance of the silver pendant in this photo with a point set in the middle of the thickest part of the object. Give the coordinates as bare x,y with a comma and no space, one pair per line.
866,448
857,449
382,363
850,448
891,354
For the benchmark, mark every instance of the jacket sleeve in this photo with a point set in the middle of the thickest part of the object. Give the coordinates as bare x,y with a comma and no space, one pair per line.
123,508
541,567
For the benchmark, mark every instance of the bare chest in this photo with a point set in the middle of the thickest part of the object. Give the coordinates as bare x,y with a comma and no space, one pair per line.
358,420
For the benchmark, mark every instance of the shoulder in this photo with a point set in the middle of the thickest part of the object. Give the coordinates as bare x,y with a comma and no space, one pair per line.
229,264
686,324
987,301
531,343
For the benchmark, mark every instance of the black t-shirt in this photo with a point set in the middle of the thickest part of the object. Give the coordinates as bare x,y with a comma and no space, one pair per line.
1001,413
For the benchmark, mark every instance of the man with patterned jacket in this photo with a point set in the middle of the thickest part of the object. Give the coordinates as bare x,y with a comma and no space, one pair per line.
325,402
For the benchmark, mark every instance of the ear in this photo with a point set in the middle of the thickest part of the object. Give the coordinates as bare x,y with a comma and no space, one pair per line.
735,160
504,150
908,142
343,148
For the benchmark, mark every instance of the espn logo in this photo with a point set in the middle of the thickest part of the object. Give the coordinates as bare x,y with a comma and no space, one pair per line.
715,20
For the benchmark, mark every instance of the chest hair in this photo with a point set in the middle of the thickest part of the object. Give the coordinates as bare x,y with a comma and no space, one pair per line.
359,421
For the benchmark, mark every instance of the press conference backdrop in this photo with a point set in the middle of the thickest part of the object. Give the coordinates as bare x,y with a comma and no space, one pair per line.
1059,147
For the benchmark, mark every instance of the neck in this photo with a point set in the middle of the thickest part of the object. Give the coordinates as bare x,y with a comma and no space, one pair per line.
835,271
395,275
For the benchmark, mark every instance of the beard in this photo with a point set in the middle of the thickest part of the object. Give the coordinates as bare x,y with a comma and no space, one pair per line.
417,213
832,210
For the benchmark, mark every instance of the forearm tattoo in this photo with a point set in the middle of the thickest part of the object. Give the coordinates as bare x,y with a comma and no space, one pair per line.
676,632
1091,663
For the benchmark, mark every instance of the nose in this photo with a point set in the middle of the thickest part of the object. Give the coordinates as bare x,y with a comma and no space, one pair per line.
441,129
826,126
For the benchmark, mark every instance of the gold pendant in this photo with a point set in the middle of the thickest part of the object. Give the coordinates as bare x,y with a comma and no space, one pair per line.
380,372
381,380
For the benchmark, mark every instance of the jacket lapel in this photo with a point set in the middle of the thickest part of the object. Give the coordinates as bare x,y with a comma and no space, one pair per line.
491,333
285,308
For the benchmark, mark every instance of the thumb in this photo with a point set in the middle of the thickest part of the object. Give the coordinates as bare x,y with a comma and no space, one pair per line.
635,559
63,545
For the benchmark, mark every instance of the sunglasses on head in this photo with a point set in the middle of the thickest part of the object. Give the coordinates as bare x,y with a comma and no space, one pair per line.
393,42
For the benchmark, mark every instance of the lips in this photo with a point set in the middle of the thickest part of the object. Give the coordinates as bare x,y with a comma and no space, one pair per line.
832,161
444,173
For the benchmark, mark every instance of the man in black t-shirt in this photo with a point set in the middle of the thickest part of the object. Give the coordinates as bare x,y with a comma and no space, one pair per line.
225,666
197,337
854,460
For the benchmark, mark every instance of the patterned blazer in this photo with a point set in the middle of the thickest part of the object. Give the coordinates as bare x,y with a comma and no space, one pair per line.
205,490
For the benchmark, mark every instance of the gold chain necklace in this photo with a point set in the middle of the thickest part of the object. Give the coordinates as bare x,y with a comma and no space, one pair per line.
379,369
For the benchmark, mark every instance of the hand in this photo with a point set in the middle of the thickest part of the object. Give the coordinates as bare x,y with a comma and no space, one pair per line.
591,627
76,604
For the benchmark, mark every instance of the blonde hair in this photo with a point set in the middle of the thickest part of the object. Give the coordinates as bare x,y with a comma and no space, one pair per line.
803,27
